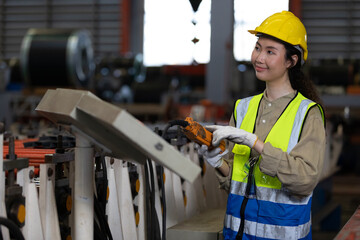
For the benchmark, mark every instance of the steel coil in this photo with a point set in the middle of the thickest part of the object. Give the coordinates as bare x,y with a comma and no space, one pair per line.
57,57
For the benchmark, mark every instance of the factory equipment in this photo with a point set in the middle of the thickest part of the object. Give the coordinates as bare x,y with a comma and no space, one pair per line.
121,134
197,133
115,77
105,175
57,57
14,200
101,125
3,214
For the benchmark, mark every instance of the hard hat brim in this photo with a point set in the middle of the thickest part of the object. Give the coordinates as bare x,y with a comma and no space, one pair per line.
252,32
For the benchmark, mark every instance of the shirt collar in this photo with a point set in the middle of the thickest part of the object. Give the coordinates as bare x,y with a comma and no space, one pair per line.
290,96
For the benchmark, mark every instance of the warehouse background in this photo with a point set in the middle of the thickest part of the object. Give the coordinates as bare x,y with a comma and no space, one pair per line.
158,94
102,18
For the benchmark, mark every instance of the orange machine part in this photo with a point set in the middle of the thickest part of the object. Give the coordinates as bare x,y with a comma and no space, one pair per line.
197,133
36,156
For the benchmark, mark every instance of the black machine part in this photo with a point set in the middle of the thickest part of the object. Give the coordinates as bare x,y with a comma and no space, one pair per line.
57,57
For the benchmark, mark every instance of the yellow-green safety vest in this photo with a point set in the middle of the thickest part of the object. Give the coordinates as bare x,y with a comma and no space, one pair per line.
292,215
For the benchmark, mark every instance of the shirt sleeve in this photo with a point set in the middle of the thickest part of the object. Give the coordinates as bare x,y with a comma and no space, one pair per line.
299,171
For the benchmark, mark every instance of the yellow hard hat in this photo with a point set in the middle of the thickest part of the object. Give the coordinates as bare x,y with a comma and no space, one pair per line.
286,27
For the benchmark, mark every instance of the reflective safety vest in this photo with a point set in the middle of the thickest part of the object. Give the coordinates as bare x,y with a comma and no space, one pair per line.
272,212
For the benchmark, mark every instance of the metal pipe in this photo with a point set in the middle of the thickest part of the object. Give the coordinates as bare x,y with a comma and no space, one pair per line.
83,189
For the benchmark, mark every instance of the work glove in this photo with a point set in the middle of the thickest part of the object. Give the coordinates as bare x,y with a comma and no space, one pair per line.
213,157
232,134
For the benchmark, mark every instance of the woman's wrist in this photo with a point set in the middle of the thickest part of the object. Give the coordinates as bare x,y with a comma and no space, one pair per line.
259,146
224,169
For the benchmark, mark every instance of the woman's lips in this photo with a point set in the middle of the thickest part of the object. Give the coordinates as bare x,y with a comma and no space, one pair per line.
259,69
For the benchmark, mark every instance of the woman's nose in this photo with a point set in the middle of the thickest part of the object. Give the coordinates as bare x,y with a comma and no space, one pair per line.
260,56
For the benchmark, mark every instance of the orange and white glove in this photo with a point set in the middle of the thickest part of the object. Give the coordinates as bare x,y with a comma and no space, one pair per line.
232,134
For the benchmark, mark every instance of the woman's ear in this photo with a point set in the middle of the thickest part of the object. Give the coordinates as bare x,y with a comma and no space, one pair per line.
294,61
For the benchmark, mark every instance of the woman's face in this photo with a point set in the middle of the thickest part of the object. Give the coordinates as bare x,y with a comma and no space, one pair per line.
268,59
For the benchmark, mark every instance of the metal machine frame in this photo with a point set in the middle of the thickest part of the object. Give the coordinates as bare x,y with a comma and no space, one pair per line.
112,130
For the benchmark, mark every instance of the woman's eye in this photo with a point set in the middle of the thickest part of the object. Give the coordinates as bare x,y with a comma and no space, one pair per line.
270,52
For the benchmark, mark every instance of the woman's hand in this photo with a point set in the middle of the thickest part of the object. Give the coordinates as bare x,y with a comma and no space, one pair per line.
232,134
213,157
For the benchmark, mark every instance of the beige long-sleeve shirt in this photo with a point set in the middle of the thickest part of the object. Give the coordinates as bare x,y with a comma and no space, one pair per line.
299,171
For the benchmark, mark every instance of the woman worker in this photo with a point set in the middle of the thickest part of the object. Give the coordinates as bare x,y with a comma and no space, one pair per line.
276,141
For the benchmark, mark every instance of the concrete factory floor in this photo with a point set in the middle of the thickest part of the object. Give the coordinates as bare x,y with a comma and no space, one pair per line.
346,192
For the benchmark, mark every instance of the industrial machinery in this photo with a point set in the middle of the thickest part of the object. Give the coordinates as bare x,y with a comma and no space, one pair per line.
116,76
57,57
102,174
97,179
194,132
104,128
197,133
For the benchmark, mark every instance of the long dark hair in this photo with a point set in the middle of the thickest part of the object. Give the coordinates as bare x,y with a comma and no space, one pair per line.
299,81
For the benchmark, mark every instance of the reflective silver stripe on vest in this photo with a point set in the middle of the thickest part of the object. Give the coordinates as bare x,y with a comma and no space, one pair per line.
299,118
239,188
269,194
267,230
241,110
